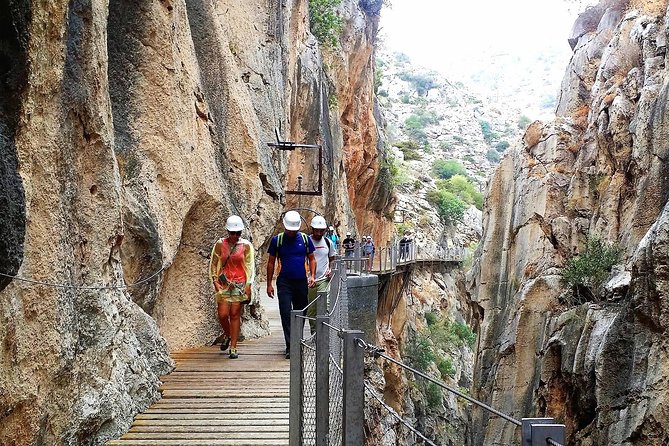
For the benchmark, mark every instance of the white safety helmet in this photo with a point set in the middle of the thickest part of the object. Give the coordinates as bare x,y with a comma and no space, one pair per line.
318,222
292,221
348,233
234,223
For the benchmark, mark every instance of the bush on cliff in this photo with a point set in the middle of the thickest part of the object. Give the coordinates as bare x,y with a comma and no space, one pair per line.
585,273
324,22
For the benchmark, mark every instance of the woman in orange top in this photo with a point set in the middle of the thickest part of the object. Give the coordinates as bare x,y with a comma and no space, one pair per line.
232,271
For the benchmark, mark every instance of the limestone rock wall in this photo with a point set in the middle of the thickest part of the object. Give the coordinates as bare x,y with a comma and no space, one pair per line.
129,131
599,168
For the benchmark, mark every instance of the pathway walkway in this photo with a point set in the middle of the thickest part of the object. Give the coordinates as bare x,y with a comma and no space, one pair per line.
211,400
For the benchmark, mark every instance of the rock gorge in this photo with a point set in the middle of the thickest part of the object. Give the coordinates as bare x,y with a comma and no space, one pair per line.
129,131
598,169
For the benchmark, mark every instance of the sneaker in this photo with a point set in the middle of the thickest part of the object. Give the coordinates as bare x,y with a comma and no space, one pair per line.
225,343
287,354
233,353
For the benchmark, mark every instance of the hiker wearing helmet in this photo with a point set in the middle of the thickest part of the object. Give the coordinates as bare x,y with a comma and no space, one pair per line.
324,254
334,238
293,248
232,270
368,250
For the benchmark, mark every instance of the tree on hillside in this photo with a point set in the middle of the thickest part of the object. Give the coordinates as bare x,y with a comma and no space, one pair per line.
445,169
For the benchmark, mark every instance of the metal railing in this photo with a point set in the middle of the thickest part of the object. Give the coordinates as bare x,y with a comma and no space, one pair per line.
387,259
328,383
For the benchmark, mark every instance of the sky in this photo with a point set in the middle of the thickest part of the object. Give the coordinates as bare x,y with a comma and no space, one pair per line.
453,36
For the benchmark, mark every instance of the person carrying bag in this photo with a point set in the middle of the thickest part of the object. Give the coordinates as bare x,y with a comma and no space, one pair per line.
232,271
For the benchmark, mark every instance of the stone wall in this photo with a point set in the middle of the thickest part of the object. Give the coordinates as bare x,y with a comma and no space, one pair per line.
129,131
598,169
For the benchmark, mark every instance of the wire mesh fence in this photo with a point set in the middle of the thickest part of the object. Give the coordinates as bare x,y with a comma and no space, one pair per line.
308,391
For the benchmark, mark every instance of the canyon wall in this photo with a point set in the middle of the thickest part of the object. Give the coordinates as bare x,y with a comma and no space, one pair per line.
600,169
129,131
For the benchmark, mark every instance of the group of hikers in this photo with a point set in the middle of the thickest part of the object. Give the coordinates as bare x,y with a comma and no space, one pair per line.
306,267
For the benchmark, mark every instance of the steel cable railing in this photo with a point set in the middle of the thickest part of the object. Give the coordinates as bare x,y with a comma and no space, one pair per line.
84,287
328,385
377,352
397,416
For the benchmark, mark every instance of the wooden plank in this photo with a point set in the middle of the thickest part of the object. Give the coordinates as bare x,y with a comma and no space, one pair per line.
228,442
212,400
217,428
194,410
205,435
231,400
181,422
249,417
219,393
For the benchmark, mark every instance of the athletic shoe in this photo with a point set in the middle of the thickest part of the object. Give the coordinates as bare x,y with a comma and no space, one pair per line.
233,353
225,343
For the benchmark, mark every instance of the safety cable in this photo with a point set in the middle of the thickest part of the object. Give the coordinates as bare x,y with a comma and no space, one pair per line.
76,287
397,416
337,329
379,352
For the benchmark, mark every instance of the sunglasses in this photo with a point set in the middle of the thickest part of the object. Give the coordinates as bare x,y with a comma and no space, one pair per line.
235,232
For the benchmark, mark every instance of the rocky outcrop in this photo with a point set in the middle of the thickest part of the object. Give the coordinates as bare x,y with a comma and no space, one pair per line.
129,131
599,168
414,305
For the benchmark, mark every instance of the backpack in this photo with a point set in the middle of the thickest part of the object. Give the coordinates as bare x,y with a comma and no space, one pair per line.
279,241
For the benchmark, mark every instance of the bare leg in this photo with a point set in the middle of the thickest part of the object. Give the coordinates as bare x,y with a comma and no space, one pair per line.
235,322
224,316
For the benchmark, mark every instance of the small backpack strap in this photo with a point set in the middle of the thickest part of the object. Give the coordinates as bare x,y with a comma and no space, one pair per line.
279,240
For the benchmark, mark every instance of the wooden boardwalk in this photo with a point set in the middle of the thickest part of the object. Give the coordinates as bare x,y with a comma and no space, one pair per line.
211,400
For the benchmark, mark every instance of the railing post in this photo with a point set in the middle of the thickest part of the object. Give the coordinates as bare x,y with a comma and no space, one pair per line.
322,378
354,390
295,411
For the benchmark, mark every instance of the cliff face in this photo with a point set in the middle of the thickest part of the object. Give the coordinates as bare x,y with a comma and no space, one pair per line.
599,168
129,131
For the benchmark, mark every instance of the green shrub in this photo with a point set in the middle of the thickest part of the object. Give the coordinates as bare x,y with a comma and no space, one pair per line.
450,208
445,169
431,318
445,146
434,395
419,352
464,189
415,124
410,149
462,334
502,146
523,122
324,22
446,368
493,156
586,272
488,134
422,83
402,228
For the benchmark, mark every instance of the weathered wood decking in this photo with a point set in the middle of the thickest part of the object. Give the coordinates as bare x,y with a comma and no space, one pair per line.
211,400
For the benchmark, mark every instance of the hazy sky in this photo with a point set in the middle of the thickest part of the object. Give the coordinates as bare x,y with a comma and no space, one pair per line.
436,33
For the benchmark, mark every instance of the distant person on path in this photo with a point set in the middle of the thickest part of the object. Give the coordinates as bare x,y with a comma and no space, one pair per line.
325,254
293,248
334,238
349,245
368,250
232,271
404,246
349,248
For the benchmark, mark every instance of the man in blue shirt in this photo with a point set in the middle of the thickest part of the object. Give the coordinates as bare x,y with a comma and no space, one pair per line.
292,248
